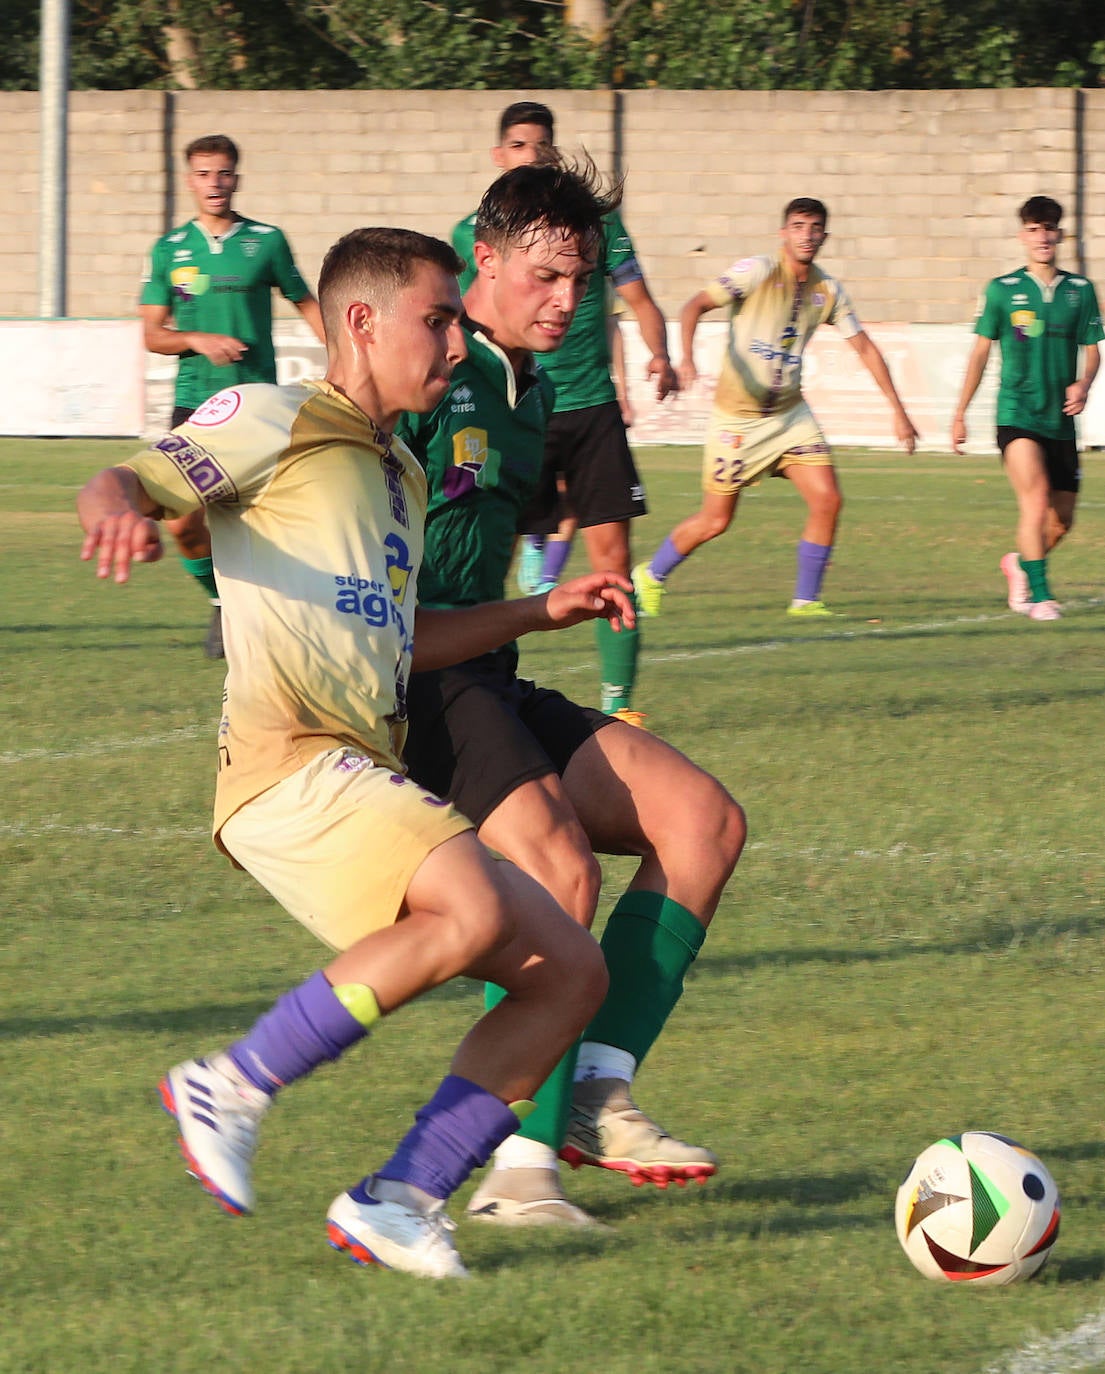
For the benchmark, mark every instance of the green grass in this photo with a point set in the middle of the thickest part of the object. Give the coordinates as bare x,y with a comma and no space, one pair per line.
913,944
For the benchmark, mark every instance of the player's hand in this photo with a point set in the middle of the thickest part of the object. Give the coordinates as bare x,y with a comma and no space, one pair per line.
687,374
595,596
906,432
1075,402
117,541
959,434
220,349
666,380
626,408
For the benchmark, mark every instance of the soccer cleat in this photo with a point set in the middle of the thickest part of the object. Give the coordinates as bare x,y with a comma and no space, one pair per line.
544,586
811,610
218,1115
607,1129
650,590
531,557
213,644
525,1197
635,718
1044,610
394,1237
1019,597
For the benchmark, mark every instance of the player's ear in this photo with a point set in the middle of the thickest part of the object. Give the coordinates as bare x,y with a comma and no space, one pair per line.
486,259
360,320
497,155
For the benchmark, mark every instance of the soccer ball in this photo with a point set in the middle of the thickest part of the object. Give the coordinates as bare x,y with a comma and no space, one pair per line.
977,1208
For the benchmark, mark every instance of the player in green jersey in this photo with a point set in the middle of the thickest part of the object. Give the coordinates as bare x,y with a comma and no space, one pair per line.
207,299
586,451
1041,316
547,782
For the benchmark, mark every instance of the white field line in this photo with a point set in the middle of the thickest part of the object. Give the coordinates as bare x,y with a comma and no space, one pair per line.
866,631
1081,1348
111,746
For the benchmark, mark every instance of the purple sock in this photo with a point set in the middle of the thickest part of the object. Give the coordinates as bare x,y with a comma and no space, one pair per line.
665,560
306,1027
556,555
813,559
454,1133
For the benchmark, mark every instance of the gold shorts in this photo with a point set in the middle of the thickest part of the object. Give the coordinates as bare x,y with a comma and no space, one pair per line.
338,842
742,449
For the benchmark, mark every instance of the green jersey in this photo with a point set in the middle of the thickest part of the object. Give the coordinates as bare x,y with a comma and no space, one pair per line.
222,286
482,450
1040,329
580,368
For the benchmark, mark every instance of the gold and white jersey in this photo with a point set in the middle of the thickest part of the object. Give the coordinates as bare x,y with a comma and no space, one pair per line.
316,521
772,316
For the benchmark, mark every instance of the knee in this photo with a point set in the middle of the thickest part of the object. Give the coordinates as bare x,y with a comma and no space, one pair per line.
712,523
718,826
828,504
581,977
578,887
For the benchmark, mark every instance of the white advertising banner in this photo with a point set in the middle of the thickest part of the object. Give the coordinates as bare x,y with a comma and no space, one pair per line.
927,362
71,378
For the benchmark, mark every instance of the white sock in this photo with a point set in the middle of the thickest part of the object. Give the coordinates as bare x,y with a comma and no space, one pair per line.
604,1061
517,1152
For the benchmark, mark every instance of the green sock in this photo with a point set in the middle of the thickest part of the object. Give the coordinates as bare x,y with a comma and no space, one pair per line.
203,570
618,661
649,943
548,1122
1036,571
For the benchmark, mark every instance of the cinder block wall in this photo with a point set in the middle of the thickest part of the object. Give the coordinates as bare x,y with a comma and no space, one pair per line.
922,186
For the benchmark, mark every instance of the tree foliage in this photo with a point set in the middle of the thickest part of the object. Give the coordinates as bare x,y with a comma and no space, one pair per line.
480,44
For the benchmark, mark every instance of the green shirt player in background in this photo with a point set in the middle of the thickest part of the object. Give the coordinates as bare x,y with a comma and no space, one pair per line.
586,446
547,782
1041,316
207,299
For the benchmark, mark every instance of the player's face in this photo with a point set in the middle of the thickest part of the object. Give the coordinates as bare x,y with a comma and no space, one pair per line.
537,286
522,145
212,179
417,341
802,237
1040,242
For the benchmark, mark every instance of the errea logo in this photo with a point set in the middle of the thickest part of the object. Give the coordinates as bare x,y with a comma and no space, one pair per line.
1010,281
462,402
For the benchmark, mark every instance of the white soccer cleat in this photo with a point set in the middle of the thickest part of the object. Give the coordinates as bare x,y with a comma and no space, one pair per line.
1044,610
395,1237
526,1197
218,1114
1019,598
607,1129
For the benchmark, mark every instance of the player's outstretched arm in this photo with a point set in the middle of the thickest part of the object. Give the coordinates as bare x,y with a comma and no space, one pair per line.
654,332
445,637
119,520
976,366
689,316
905,431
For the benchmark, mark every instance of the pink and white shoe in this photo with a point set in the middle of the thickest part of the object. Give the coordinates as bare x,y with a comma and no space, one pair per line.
1019,598
1044,610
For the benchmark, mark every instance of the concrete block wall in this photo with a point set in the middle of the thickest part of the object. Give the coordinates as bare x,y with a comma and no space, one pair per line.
922,186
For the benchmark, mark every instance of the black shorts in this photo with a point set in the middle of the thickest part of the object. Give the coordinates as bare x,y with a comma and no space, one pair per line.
477,731
180,414
1064,470
590,449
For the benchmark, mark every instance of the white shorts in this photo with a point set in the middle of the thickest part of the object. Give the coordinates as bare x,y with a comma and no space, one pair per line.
338,842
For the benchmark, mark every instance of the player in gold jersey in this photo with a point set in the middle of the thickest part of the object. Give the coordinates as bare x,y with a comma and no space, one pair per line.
316,520
761,426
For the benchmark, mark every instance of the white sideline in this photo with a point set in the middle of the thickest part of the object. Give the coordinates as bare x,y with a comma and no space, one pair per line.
1081,1348
865,631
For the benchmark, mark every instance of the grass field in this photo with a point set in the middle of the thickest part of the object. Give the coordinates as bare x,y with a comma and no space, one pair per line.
913,944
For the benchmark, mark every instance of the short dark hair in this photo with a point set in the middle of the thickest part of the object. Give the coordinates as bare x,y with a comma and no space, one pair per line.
374,264
1041,210
569,196
212,143
525,112
806,205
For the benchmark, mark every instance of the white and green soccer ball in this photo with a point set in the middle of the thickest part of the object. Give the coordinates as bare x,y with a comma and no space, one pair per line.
977,1209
